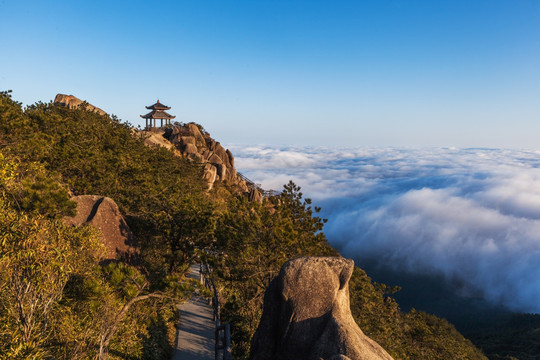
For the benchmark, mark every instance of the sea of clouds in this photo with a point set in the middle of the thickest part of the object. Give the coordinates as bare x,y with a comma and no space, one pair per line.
470,215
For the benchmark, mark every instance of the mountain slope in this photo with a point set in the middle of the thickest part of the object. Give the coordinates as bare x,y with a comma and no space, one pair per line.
166,203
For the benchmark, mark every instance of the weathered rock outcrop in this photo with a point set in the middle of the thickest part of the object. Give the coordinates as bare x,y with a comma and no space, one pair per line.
155,138
307,315
73,102
191,141
103,214
196,144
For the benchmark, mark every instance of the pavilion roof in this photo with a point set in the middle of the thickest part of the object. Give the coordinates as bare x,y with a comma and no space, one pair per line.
158,106
158,114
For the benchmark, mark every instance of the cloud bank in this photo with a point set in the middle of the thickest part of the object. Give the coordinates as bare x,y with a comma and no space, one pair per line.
471,215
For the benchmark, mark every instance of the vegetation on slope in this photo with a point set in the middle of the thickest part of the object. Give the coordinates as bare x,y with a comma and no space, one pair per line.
106,309
257,239
48,151
508,336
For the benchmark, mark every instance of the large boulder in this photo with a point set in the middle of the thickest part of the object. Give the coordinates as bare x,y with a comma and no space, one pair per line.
73,102
307,315
103,214
209,175
156,139
215,159
190,150
199,138
222,154
255,195
184,140
231,158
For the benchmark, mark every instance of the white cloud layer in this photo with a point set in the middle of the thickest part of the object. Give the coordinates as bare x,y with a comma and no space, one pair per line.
472,215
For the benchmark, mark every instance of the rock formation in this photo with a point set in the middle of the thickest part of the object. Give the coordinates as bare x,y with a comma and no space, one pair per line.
103,214
72,102
155,138
196,144
307,315
191,141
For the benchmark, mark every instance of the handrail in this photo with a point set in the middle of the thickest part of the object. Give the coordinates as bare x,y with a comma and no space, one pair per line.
223,331
251,184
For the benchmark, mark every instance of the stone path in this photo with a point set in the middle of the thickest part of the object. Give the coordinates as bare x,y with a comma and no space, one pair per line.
195,335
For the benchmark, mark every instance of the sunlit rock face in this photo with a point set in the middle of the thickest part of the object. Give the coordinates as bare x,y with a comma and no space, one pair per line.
196,144
73,102
156,139
307,315
103,214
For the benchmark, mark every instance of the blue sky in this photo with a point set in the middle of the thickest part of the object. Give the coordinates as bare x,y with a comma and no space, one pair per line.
356,73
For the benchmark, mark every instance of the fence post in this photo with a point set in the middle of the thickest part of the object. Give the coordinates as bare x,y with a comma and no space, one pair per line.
223,332
217,347
227,343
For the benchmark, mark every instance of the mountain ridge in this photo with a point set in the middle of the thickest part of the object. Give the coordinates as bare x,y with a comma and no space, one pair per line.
166,203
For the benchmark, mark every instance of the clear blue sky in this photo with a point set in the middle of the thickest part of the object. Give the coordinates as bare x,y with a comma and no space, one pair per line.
418,73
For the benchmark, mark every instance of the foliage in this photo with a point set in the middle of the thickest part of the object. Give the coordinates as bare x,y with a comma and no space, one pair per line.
162,196
257,239
123,309
508,336
59,301
37,258
113,303
414,335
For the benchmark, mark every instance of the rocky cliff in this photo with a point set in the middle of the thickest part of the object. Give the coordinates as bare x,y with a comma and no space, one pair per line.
307,315
193,142
73,102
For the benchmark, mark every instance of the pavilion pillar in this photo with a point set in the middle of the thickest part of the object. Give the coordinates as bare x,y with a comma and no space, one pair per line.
157,113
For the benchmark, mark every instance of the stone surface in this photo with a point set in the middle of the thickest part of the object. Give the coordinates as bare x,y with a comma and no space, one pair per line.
307,315
215,159
199,146
153,139
231,158
190,150
255,195
199,139
195,333
222,154
73,102
210,174
103,214
184,140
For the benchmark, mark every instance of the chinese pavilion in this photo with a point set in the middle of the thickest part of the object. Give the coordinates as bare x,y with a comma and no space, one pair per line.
158,113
